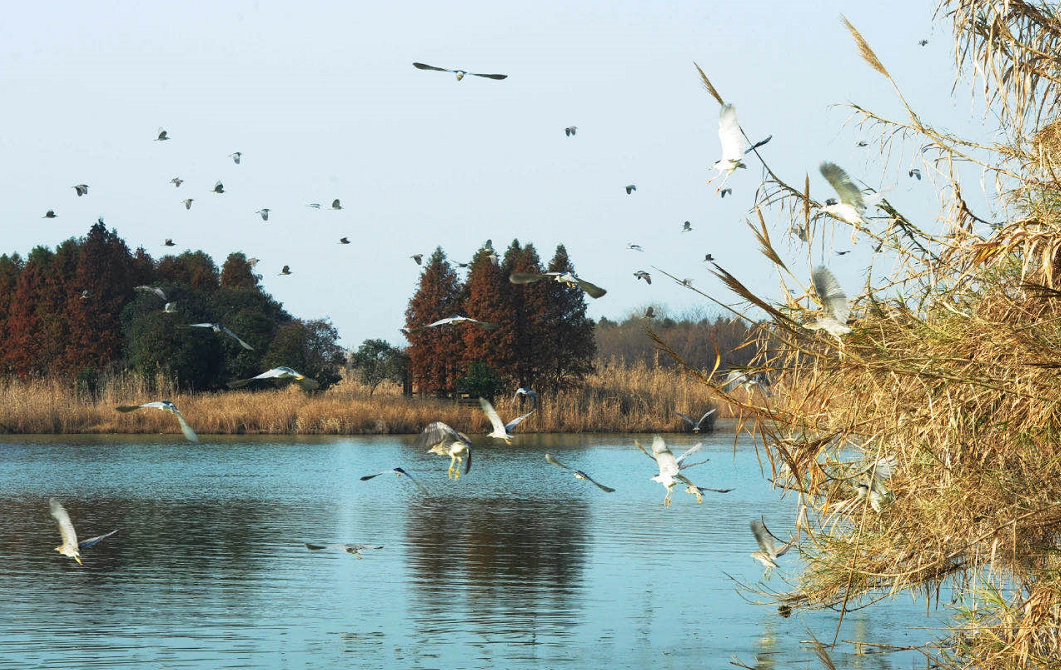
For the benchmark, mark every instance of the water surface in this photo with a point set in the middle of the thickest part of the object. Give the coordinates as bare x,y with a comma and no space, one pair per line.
517,565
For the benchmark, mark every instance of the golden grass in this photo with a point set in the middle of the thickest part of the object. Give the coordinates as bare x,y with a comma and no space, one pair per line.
614,398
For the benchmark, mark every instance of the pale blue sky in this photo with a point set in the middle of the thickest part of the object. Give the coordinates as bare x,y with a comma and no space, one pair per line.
323,101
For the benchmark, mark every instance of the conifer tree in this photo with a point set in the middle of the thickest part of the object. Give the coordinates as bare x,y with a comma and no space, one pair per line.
22,351
434,354
529,313
238,273
488,298
568,335
56,293
10,269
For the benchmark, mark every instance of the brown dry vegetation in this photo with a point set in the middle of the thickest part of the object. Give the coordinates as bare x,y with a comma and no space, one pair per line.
951,369
614,398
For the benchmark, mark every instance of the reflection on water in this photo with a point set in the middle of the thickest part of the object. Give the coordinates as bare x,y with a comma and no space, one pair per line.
517,565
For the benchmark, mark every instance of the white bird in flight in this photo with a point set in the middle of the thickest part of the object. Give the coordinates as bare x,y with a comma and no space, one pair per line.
399,472
153,289
669,467
697,426
188,203
501,431
264,213
768,549
236,156
641,274
165,406
176,181
853,202
282,372
568,278
527,392
218,328
460,73
835,308
80,189
452,320
580,475
440,439
634,247
70,546
736,379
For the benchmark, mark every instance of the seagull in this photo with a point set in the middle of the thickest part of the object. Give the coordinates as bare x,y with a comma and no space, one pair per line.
500,430
698,491
737,379
494,258
454,319
343,240
914,173
219,187
70,546
708,258
580,475
923,42
570,130
460,73
165,406
264,212
729,133
336,205
152,289
236,156
399,472
84,294
286,270
162,135
768,549
282,372
687,227
169,242
528,392
696,425
253,261
630,188
50,214
188,203
218,328
650,313
176,181
726,191
568,278
641,274
835,308
634,247
80,189
463,265
873,477
354,549
862,144
418,258
852,203
669,466
314,205
440,439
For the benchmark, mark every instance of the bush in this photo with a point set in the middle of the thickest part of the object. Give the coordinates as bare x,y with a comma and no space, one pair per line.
479,381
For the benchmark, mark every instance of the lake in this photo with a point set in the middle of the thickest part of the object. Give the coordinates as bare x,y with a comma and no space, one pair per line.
516,565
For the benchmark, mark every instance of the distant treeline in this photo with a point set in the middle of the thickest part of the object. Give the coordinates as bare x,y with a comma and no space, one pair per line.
75,311
692,336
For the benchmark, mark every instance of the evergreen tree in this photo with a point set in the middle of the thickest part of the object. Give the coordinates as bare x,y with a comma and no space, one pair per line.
529,304
56,293
569,335
238,273
435,354
10,269
23,351
311,347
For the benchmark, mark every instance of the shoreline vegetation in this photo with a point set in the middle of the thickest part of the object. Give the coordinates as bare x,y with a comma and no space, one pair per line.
614,397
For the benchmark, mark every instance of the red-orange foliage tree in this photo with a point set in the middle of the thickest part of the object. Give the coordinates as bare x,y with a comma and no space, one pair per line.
489,299
58,289
22,346
435,354
529,311
10,269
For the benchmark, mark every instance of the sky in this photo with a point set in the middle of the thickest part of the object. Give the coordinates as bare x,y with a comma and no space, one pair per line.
322,100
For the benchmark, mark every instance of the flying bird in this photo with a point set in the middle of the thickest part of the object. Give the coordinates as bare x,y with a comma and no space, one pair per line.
634,247
399,472
738,379
440,439
80,189
726,191
169,242
264,213
708,258
914,173
314,205
152,289
501,431
84,294
236,156
698,491
50,214
176,181
641,274
650,313
354,549
630,188
253,261
843,252
570,130
343,240
70,546
687,227
452,320
695,425
218,328
852,203
528,392
580,475
862,144
282,372
170,308
219,187
835,308
418,258
286,270
162,135
188,203
768,549
732,139
165,406
923,42
336,205
669,467
460,73
568,278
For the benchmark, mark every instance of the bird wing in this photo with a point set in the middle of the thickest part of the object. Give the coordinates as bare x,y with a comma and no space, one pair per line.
693,449
759,144
66,528
425,66
128,408
440,322
491,414
664,457
686,418
845,188
644,451
764,538
524,277
602,487
189,434
385,472
153,289
436,433
489,76
92,541
549,457
419,486
200,325
484,324
515,422
707,488
686,466
237,338
834,300
593,290
729,133
706,414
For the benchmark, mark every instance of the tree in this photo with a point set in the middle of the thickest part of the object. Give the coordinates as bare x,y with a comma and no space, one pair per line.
568,335
434,354
311,347
377,361
238,273
10,269
156,345
489,298
480,381
23,351
528,311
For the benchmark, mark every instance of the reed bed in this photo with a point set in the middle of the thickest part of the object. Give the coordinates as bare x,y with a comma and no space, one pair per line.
614,398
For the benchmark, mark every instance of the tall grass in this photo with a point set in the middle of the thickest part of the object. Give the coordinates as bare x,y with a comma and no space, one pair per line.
614,398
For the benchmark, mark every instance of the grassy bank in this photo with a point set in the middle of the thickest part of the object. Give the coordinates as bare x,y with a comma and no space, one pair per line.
614,398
